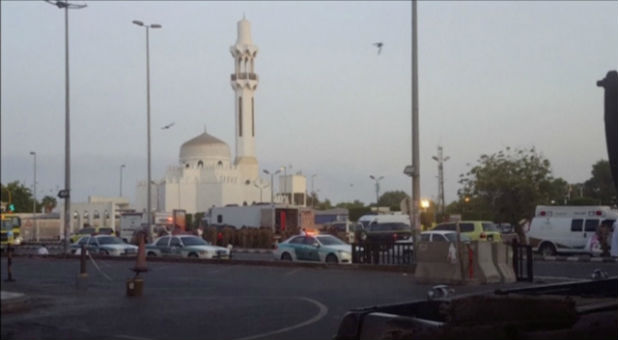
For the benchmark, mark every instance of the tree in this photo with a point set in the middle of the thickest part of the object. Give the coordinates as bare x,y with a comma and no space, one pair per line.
392,199
601,186
507,186
49,203
21,196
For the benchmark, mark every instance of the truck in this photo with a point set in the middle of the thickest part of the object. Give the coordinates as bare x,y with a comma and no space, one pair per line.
164,222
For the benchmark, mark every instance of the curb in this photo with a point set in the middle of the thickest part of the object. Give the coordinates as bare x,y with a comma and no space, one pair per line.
252,251
576,259
233,262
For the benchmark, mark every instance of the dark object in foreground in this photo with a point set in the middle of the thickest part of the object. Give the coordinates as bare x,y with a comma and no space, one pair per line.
556,311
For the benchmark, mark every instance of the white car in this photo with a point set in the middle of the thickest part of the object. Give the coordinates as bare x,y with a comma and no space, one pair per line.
104,245
442,236
314,248
186,246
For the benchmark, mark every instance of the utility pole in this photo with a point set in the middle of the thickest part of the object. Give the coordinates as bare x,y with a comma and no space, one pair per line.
416,165
67,136
440,159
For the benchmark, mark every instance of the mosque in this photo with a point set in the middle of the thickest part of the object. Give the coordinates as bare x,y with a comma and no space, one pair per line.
206,175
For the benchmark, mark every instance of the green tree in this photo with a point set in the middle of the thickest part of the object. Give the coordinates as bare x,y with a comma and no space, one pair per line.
392,199
49,203
601,186
21,196
507,186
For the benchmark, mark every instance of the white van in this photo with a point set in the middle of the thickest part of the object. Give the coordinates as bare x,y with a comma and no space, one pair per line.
567,229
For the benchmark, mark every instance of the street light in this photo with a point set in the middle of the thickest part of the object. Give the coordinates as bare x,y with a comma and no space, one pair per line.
121,168
67,140
272,197
36,225
149,199
377,189
261,186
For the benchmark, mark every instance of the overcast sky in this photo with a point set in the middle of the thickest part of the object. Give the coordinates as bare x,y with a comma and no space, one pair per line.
492,74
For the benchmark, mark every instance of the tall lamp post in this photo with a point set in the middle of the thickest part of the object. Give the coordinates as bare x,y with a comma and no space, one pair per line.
416,164
149,198
272,192
36,225
67,139
440,159
260,186
377,180
121,168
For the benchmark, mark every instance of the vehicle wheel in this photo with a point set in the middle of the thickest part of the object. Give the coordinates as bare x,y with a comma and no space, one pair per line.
193,255
151,254
331,259
547,249
104,252
286,257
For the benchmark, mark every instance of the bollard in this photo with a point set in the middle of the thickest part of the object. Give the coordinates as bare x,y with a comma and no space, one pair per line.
81,281
135,286
9,262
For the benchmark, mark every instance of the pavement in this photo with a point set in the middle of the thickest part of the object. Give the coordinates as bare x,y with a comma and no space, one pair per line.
197,300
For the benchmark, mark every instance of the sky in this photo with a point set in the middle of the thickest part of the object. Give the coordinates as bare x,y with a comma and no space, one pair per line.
491,74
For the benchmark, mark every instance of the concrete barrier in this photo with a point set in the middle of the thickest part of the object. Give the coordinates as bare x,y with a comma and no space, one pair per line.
439,262
485,269
503,260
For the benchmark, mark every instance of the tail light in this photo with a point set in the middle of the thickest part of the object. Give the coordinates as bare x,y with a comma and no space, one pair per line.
394,236
483,235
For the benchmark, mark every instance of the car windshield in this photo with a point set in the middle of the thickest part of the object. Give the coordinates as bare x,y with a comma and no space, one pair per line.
329,240
389,227
193,241
10,222
109,240
490,227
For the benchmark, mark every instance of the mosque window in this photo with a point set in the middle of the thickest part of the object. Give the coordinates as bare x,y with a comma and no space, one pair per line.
240,116
200,164
244,203
220,163
187,165
252,119
247,182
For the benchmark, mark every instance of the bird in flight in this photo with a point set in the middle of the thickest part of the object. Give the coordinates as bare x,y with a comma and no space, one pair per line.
168,126
379,46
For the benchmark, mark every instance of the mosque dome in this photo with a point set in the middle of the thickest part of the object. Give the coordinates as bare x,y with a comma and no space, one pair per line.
204,150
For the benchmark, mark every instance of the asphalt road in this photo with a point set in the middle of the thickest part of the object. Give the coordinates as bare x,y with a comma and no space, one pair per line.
197,300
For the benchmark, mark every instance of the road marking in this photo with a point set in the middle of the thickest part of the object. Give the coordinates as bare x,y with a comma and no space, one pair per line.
122,336
572,258
323,311
291,272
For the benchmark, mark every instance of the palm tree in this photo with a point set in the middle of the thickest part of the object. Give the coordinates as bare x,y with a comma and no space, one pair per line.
49,203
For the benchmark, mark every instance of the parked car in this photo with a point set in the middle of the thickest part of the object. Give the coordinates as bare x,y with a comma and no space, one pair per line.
87,231
186,246
474,230
442,236
314,248
104,245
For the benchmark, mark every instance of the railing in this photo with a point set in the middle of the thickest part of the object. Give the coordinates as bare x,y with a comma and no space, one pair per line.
522,261
382,253
244,76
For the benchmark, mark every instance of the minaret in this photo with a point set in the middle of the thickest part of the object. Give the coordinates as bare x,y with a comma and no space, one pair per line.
244,82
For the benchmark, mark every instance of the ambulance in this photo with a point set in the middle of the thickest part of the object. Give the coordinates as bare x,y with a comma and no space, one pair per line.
568,229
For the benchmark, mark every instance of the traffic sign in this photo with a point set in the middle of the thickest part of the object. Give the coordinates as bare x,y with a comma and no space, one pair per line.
408,170
63,193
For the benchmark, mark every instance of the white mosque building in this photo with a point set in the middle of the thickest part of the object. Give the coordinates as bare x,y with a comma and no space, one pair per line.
207,176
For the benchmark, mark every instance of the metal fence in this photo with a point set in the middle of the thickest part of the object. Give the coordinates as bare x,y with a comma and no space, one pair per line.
522,261
382,253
